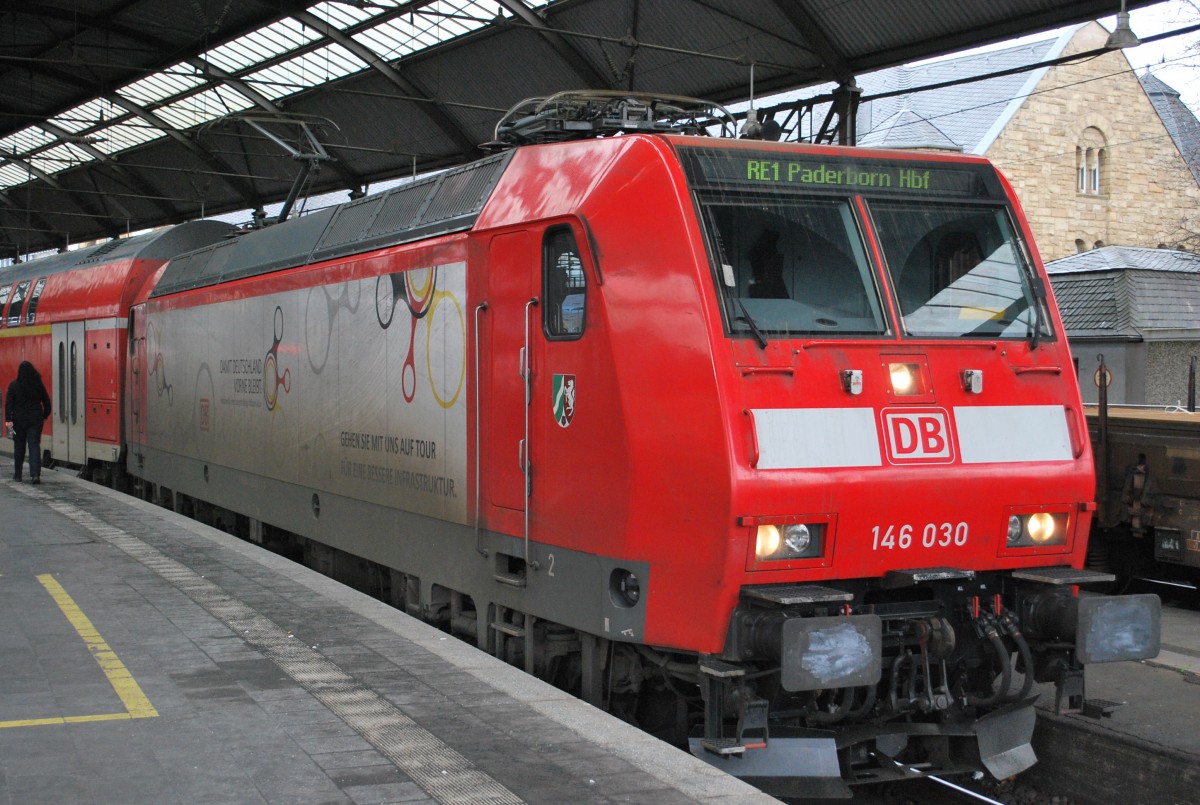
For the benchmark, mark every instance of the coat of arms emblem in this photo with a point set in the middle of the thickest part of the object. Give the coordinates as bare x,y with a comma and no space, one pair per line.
564,399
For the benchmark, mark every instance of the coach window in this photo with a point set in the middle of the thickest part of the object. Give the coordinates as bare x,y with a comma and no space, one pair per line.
16,306
564,286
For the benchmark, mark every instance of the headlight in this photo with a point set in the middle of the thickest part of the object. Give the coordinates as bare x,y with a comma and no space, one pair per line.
1037,529
769,540
797,538
904,378
792,541
1041,527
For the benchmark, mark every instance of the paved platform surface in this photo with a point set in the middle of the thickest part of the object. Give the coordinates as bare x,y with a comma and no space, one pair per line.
146,658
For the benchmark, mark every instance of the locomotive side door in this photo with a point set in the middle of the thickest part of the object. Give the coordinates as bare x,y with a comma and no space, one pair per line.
536,295
504,359
66,397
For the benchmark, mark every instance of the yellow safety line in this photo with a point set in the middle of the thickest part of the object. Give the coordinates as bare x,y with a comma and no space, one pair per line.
41,722
136,703
33,329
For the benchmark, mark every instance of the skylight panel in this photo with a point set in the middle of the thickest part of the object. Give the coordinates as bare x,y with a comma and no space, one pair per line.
26,141
86,116
114,139
395,38
203,107
425,27
93,121
12,175
172,82
306,70
344,16
60,158
261,45
47,152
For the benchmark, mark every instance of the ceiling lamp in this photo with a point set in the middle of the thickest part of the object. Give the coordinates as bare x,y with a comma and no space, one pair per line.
1122,36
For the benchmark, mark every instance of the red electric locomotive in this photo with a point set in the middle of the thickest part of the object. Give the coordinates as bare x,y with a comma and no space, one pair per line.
66,314
773,447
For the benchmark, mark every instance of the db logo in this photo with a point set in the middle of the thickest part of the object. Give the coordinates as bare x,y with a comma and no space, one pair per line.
918,435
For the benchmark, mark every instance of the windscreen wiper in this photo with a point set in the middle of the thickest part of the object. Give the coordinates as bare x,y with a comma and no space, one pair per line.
1039,296
729,284
746,317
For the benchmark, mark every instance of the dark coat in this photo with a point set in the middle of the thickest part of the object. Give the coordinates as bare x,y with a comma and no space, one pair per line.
26,404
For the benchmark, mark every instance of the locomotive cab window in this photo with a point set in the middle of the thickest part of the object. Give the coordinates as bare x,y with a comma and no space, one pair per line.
959,271
564,286
792,267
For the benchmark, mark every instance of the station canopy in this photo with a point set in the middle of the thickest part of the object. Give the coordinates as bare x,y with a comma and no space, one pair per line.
121,115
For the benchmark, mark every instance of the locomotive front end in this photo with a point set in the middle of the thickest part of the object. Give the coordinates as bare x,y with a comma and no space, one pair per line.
913,483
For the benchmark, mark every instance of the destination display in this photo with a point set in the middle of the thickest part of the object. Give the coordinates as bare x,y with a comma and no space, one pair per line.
774,170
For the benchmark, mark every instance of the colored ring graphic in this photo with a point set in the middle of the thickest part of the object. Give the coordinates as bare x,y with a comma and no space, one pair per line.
158,368
388,288
462,369
419,297
272,380
348,296
204,402
409,369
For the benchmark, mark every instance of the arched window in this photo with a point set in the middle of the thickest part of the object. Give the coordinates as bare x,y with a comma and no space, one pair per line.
1091,160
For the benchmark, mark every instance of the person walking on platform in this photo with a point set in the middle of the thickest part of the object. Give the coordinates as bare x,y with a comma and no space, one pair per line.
26,407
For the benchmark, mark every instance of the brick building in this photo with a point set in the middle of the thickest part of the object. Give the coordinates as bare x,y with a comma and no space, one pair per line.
1107,166
1096,155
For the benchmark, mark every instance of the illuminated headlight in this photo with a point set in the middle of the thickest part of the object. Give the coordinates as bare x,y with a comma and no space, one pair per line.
901,378
1036,529
1041,528
904,378
792,541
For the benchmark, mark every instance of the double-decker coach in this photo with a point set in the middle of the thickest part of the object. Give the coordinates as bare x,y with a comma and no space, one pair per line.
67,314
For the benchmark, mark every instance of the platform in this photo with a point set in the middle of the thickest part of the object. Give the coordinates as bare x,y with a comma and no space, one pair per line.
146,658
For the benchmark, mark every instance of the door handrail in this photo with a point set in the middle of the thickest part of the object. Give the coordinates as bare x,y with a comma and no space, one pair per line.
527,375
481,307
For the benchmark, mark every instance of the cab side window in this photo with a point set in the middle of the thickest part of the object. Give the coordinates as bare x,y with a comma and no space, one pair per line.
564,286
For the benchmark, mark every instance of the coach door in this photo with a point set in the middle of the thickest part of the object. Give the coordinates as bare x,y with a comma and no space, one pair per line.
66,393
